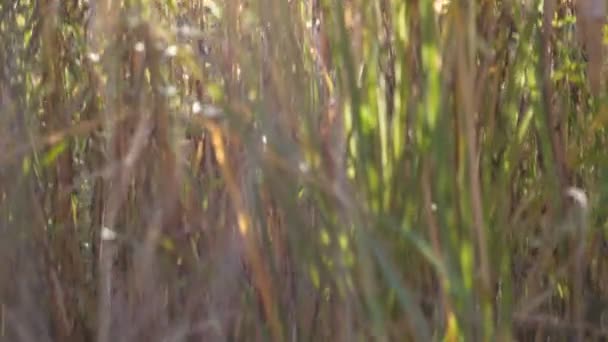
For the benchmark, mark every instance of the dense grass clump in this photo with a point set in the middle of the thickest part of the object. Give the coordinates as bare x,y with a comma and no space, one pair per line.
303,170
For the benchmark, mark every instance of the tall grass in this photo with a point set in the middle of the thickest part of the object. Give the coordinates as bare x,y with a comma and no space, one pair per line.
301,170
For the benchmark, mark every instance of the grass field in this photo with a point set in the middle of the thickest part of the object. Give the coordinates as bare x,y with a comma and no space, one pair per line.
303,170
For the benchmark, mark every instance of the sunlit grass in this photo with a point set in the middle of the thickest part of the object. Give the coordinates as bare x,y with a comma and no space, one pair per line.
300,170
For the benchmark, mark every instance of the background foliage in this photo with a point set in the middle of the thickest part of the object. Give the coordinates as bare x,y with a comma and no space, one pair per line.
302,170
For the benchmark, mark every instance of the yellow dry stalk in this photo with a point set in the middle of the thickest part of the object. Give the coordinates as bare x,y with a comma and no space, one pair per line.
591,17
261,276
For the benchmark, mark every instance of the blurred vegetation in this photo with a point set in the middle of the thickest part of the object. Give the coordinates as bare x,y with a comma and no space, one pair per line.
303,170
